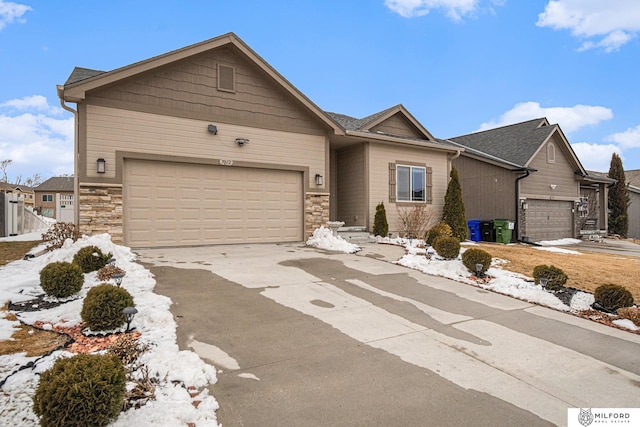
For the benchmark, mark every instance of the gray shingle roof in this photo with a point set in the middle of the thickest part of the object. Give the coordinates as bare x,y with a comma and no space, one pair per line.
515,144
78,74
351,123
56,183
632,177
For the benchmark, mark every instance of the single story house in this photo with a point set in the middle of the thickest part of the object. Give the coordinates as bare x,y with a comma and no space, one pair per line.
54,198
209,144
528,173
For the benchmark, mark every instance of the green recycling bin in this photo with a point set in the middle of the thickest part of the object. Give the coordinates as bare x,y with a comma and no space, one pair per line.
504,228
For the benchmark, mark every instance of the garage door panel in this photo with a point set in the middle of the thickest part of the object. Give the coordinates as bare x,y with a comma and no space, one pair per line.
549,219
170,204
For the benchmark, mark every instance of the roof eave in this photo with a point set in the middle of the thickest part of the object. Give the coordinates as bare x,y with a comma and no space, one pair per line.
398,140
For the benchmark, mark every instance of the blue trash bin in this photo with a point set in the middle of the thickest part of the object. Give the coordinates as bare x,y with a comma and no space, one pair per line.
474,230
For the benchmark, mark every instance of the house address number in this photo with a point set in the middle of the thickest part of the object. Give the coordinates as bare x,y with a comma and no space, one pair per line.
226,162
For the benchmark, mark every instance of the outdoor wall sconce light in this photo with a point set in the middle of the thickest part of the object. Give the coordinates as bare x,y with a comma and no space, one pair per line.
319,179
117,277
553,186
129,313
213,129
524,205
101,165
242,141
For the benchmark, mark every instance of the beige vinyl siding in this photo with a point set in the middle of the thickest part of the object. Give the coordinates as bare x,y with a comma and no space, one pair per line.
351,191
634,214
398,125
189,88
380,155
488,191
560,173
110,130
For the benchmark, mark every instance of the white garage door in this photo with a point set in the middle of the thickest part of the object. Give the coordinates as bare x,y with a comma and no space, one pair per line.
179,204
549,220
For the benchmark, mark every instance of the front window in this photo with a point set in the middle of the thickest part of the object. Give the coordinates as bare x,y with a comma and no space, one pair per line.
411,183
47,197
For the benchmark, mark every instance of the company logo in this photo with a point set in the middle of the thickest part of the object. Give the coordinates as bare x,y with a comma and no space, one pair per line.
585,417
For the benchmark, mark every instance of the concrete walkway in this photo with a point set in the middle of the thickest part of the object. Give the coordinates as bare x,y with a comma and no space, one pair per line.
305,337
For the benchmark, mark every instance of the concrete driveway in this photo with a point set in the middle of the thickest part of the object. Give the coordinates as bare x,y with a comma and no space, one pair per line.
302,337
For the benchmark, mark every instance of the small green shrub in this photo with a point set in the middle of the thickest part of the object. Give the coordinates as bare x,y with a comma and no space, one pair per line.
61,279
103,305
380,224
447,247
613,297
473,256
58,233
85,390
91,258
440,230
555,276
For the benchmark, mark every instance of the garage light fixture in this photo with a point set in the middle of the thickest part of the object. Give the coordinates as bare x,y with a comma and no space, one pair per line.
319,179
213,129
524,205
242,141
129,313
101,165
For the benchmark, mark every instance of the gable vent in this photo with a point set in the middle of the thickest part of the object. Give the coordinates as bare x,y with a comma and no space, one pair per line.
226,78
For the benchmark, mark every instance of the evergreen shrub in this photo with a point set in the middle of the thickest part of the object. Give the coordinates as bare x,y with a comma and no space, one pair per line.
61,279
613,297
91,258
380,224
439,230
84,390
447,247
103,305
473,256
556,278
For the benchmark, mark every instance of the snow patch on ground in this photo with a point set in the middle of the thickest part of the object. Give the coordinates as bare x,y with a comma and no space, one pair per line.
323,238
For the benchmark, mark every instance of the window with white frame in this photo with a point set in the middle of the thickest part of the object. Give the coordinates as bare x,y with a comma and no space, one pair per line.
410,183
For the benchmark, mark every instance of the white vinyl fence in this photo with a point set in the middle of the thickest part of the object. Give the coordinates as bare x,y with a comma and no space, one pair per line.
16,219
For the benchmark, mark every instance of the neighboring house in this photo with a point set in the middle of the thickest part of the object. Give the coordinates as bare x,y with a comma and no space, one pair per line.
632,178
529,174
25,191
209,145
55,198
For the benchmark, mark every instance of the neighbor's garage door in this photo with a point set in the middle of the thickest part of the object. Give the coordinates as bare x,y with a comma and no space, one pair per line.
174,204
549,220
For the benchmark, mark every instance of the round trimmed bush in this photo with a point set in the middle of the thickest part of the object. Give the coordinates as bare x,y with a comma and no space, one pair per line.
61,279
447,247
556,278
103,305
85,390
91,258
441,230
613,297
473,256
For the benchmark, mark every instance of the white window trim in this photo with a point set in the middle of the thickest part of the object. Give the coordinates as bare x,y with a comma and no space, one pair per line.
424,184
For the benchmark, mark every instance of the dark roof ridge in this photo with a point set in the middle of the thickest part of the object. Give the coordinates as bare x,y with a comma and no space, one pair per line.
505,126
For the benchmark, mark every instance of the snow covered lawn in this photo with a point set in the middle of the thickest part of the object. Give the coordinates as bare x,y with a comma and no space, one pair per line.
181,395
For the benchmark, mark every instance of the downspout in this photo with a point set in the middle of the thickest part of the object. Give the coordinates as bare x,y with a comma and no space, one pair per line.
527,172
451,159
76,183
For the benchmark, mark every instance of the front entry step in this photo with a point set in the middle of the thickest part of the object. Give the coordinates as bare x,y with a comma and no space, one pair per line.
356,235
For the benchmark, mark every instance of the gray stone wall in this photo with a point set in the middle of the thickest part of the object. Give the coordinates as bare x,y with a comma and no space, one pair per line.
316,212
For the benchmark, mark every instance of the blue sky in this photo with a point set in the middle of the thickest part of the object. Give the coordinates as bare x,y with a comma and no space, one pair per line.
457,65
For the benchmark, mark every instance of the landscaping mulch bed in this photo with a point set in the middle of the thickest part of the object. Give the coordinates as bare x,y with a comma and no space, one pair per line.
38,303
82,343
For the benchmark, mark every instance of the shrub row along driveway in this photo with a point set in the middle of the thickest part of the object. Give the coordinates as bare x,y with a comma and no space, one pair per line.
304,337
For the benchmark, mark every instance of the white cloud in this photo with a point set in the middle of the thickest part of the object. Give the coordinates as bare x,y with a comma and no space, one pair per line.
570,119
455,9
595,157
35,138
614,22
10,12
627,139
